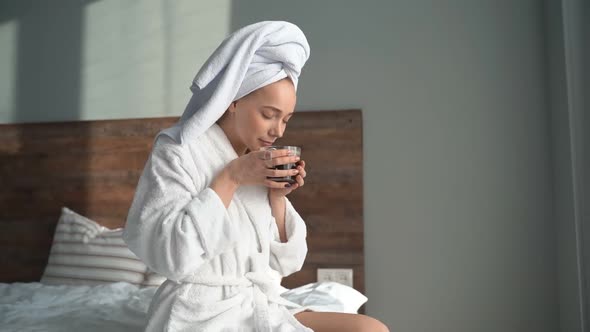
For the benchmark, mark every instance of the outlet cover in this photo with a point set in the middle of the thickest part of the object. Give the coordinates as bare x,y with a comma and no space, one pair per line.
343,276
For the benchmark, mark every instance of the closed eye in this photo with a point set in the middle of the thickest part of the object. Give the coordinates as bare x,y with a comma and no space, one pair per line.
266,116
276,113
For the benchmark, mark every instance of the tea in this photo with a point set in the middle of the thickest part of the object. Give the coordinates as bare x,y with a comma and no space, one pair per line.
297,152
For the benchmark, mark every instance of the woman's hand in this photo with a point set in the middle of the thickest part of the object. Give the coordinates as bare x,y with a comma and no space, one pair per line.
254,168
281,192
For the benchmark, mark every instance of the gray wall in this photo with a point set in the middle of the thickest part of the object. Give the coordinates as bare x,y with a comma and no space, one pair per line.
458,189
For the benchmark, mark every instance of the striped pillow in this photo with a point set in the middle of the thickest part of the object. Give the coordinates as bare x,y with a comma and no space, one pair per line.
86,253
152,279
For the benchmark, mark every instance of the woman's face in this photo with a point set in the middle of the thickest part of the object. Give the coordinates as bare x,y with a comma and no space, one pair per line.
261,117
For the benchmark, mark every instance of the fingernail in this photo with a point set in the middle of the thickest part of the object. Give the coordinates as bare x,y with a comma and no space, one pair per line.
297,158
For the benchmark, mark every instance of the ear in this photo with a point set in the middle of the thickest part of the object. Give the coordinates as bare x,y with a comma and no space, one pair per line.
232,107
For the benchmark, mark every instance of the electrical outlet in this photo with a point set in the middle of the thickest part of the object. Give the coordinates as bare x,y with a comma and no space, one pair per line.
343,276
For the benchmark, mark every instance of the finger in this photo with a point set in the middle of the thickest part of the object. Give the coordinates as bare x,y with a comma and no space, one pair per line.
268,164
300,180
285,160
280,153
301,164
276,173
266,158
275,185
265,154
302,171
283,153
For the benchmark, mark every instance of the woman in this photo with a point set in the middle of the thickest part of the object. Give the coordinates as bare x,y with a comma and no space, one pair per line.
205,215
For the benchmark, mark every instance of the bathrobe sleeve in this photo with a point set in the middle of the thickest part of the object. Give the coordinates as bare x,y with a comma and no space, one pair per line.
171,225
288,257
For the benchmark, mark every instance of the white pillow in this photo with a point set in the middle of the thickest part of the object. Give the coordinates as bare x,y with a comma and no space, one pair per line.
84,252
327,296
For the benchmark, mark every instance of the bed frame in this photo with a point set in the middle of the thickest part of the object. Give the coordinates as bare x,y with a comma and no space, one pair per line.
93,167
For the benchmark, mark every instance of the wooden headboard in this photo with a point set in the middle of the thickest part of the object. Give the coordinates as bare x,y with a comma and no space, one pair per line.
93,167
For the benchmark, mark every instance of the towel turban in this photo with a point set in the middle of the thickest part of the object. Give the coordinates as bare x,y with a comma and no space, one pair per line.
250,58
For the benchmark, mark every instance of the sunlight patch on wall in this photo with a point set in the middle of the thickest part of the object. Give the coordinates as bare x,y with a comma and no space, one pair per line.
139,57
8,70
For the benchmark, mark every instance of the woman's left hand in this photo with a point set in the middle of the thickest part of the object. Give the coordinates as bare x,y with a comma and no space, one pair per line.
299,178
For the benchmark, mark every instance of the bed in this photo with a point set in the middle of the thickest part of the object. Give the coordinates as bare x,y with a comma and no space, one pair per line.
92,168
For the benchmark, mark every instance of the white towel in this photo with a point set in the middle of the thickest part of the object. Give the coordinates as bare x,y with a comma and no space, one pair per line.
250,58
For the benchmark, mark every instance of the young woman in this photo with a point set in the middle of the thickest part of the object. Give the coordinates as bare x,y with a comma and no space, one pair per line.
205,215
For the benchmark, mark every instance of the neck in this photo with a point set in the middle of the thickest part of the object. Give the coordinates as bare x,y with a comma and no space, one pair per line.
229,130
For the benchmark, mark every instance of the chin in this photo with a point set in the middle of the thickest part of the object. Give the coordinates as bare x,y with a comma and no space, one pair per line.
251,148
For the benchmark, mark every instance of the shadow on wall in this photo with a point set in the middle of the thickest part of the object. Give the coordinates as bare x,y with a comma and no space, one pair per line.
47,87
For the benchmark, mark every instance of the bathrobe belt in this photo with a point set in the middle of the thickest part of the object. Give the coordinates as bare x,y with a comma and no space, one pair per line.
264,289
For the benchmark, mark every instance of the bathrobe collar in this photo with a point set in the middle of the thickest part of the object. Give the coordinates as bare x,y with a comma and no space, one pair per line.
254,198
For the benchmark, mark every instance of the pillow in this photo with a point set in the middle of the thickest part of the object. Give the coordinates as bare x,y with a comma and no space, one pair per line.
152,279
86,253
327,296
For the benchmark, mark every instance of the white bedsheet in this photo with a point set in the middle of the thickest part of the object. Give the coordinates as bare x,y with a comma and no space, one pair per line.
38,307
121,306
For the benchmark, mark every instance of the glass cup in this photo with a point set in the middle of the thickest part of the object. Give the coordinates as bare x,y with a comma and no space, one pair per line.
296,152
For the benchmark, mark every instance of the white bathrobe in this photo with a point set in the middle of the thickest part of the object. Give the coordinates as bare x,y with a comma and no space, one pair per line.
221,263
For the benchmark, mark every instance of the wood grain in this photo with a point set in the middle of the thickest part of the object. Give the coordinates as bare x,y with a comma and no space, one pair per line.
92,167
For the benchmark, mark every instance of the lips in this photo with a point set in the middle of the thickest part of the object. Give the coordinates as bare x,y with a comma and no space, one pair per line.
265,143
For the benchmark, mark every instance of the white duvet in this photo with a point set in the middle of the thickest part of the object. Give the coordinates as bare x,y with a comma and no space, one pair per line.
38,307
123,307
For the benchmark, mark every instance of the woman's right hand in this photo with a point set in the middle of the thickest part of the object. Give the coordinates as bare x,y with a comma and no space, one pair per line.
254,168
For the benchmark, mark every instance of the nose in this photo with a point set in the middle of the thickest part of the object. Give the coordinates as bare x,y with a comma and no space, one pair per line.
277,130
